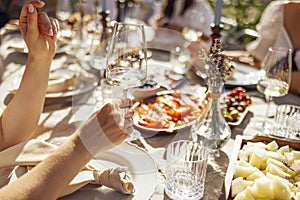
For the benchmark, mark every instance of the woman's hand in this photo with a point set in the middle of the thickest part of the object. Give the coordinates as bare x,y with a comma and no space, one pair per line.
112,124
106,128
38,30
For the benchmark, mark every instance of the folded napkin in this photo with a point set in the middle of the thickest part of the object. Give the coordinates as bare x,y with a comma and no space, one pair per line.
115,178
30,153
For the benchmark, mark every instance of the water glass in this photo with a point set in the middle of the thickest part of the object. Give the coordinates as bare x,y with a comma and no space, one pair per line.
186,170
287,122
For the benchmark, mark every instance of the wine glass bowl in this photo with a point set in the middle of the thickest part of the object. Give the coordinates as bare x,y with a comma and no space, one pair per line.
63,13
63,10
276,78
277,73
126,64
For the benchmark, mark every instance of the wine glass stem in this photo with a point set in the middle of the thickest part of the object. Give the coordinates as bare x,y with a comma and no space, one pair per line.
125,91
268,100
135,135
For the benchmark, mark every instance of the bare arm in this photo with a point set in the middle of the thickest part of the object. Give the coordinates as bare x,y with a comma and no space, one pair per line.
49,178
21,116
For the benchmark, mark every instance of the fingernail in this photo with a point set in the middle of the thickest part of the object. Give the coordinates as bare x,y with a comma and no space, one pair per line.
50,32
41,2
30,8
56,36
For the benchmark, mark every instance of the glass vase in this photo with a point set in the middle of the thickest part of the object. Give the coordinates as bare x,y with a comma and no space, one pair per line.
212,130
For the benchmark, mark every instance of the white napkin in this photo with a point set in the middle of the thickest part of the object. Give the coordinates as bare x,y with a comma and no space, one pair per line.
115,178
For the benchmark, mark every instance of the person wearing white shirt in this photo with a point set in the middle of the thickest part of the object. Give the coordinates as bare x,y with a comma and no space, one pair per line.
279,28
179,14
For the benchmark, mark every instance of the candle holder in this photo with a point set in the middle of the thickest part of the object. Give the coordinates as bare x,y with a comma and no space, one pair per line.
104,21
120,8
216,31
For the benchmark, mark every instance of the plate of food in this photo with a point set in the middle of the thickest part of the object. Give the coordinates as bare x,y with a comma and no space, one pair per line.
263,167
236,106
168,112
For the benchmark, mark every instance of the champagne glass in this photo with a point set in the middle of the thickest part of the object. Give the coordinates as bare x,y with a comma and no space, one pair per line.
126,63
277,77
63,12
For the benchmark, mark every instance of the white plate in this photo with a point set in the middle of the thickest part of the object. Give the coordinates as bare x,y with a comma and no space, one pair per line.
19,45
160,73
84,82
244,75
142,169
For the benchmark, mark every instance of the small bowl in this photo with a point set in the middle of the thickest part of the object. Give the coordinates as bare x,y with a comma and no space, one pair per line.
150,88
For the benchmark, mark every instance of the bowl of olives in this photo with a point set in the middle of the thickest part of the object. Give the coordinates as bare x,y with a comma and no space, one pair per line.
236,104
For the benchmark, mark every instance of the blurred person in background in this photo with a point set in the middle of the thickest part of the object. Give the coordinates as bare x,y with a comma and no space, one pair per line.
4,18
180,14
278,28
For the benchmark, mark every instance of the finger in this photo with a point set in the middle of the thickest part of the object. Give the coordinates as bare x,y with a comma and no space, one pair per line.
45,24
125,103
56,24
117,118
128,126
55,27
28,17
129,130
129,113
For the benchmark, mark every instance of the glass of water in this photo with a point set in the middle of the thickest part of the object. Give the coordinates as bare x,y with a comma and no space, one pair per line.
186,170
287,122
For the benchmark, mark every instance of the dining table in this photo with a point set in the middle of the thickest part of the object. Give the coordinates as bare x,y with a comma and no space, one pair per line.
64,112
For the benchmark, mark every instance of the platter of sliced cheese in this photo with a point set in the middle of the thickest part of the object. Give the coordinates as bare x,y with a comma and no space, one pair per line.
263,168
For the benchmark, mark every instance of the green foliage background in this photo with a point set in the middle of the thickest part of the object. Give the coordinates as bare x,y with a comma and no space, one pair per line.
246,14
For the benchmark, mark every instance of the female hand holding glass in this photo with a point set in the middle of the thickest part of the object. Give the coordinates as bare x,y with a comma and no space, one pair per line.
126,64
277,76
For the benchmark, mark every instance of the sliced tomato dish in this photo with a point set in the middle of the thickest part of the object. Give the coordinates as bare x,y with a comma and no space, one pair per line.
169,111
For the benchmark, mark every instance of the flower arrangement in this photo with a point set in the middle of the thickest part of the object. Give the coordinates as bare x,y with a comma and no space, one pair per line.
217,63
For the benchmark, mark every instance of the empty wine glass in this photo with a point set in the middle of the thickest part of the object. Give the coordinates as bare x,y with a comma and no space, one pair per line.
126,64
63,12
277,77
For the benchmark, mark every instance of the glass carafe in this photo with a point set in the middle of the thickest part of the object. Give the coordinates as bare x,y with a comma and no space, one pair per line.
212,130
